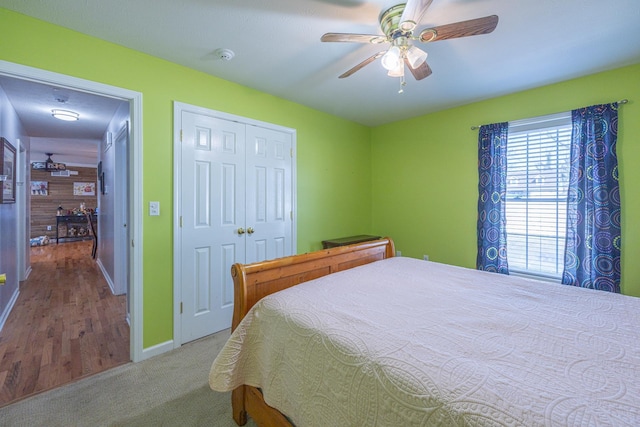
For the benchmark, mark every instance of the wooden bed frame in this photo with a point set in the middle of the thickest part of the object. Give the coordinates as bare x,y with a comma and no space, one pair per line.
254,281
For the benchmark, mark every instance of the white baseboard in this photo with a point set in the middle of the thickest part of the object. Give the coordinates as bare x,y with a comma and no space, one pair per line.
7,310
27,273
106,276
157,350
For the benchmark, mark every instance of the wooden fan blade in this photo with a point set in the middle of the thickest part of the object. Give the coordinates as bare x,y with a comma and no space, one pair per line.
361,65
472,27
413,11
421,71
355,38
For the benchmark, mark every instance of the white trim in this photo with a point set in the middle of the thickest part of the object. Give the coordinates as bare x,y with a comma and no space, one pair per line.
541,122
22,203
136,211
135,184
7,311
106,276
156,350
183,107
178,109
120,216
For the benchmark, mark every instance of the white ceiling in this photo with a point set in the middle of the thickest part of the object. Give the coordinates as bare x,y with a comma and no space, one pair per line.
75,143
278,49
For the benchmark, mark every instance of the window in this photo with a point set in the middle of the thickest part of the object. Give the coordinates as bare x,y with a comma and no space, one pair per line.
538,156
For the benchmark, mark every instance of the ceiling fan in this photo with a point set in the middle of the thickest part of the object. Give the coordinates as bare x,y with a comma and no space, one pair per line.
398,24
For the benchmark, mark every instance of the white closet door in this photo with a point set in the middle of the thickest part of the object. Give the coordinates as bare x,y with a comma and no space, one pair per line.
235,203
268,194
213,217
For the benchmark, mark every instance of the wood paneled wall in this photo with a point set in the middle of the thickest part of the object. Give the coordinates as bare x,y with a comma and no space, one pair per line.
60,193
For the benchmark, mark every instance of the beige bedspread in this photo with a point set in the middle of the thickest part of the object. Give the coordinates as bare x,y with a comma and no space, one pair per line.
403,342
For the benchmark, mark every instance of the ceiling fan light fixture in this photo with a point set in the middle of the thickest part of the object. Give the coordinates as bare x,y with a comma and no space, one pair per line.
66,115
392,60
397,72
416,56
398,24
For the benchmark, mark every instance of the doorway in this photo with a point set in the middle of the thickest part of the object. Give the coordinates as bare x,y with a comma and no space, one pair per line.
134,184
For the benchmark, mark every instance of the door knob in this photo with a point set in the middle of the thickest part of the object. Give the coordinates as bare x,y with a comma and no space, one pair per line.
250,230
240,231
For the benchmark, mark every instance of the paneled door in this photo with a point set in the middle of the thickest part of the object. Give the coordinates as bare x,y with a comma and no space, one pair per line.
268,194
235,206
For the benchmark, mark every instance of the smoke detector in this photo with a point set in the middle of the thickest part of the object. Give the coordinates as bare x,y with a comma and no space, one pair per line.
224,54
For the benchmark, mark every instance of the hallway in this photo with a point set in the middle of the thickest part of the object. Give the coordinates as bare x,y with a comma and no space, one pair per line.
66,324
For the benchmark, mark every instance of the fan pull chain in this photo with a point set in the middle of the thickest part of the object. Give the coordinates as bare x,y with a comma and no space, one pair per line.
402,84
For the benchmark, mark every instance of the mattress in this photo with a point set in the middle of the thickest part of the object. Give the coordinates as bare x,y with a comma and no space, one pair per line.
404,342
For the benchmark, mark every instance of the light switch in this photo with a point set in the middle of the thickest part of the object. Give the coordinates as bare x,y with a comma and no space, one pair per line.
154,208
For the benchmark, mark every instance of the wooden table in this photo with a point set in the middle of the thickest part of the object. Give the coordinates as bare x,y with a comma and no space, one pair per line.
65,223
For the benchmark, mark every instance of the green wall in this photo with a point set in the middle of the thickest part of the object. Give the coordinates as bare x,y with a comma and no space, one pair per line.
425,169
333,155
414,180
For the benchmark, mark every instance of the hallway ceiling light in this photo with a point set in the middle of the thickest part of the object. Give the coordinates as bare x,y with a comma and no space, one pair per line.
66,115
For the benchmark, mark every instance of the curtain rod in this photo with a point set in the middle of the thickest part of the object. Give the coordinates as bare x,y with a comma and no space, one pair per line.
622,101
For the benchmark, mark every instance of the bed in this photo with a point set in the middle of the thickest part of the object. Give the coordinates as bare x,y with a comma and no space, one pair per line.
353,336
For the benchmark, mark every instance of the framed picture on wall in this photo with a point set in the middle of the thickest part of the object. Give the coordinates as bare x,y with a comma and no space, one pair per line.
39,188
7,171
84,188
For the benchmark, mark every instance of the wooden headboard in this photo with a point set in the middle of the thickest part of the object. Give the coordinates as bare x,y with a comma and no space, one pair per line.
254,281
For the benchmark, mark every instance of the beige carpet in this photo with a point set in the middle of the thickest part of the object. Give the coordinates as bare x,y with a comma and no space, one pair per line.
167,390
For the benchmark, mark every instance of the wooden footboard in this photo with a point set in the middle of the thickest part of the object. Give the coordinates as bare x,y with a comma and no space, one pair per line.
255,281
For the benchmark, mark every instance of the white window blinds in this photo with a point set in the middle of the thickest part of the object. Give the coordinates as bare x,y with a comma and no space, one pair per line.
538,155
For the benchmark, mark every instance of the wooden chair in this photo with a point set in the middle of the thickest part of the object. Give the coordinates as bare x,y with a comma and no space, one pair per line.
94,235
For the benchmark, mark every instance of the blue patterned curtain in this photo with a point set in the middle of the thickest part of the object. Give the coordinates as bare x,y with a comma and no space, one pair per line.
592,253
492,187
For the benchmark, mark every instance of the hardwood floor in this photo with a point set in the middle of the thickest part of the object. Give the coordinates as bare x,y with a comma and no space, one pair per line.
66,324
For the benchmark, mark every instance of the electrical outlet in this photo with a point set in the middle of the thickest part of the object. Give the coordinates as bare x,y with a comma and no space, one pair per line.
425,257
398,253
154,208
48,228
